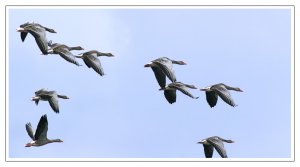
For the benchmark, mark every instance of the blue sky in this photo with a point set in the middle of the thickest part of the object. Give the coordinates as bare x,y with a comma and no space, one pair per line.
123,115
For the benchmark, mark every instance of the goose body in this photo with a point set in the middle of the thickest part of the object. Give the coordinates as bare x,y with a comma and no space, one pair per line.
50,96
170,91
64,51
216,143
163,67
91,60
39,138
38,32
222,90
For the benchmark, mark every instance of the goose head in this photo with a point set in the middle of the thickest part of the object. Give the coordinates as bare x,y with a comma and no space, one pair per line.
35,98
179,62
202,141
238,89
110,55
21,29
148,65
30,144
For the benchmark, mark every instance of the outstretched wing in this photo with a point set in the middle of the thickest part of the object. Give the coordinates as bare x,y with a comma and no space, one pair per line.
94,62
41,39
224,94
29,130
160,76
67,55
167,67
219,146
182,88
23,36
170,95
42,128
211,98
208,150
53,101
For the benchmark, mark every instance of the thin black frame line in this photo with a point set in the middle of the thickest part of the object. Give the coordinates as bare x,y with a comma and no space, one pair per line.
293,8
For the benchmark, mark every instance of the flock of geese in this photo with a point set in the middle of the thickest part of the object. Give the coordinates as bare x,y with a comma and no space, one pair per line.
162,68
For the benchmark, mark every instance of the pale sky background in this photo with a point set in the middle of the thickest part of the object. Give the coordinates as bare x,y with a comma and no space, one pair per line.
123,115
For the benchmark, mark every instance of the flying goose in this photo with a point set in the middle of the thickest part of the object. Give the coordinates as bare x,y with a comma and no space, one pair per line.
40,136
64,51
38,32
50,96
214,142
170,91
212,93
90,58
163,67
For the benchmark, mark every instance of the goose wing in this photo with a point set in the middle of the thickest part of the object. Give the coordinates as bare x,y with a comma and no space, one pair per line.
29,130
67,55
224,94
167,67
181,88
211,98
53,101
219,146
208,150
41,40
92,61
160,76
42,128
170,95
23,36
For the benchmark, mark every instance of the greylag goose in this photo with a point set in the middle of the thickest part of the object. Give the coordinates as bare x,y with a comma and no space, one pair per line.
40,136
38,32
212,93
90,58
163,67
170,91
64,51
50,96
214,142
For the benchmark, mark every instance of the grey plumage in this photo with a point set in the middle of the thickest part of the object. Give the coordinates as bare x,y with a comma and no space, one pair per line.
170,91
212,93
91,60
38,32
64,51
39,138
215,142
50,96
162,68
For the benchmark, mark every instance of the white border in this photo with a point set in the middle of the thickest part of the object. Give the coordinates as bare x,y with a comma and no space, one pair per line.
156,159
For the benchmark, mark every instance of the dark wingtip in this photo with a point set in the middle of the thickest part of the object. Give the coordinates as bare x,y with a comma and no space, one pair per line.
161,89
